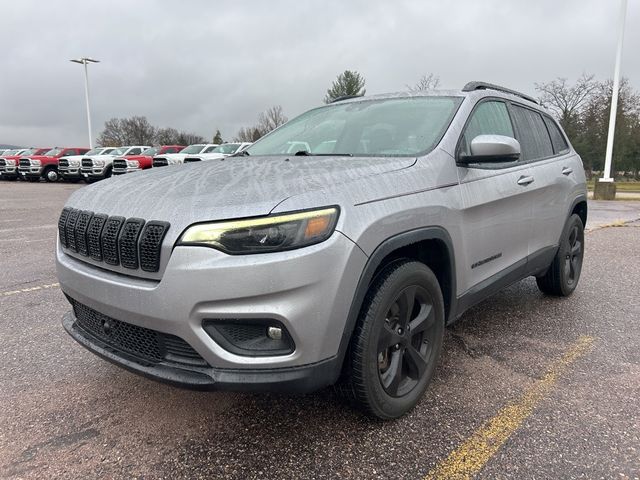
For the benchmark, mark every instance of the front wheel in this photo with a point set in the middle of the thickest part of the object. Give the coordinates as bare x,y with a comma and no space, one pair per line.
397,341
561,279
51,175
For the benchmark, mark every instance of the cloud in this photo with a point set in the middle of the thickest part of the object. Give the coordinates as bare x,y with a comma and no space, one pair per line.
202,65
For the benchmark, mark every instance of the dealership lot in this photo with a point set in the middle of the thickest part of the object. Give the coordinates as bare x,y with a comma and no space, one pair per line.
555,380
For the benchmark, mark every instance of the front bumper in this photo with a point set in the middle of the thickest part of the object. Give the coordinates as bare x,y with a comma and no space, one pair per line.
304,379
8,171
122,171
31,171
309,291
70,172
93,172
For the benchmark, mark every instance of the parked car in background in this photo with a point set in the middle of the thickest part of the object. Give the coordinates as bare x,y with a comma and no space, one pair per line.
69,167
101,166
9,161
177,158
34,167
215,153
134,163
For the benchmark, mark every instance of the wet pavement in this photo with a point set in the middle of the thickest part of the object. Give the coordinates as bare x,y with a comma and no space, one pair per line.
68,414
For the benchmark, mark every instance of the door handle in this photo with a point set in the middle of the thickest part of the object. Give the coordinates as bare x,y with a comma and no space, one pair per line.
567,170
525,180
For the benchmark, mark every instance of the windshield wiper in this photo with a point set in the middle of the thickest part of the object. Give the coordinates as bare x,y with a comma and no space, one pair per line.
243,153
304,153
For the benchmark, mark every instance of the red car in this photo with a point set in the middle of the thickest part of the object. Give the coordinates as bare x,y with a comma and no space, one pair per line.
45,165
9,162
133,163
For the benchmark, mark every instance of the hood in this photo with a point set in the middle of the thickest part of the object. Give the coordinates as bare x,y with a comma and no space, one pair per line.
234,188
99,157
135,157
39,157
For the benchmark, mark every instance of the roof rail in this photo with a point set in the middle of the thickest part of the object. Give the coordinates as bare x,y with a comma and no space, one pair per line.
471,86
344,97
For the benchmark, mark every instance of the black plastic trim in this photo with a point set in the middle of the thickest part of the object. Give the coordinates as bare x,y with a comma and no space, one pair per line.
301,379
210,326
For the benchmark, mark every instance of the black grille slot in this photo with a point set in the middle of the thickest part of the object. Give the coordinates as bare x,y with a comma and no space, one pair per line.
70,228
113,240
150,245
82,225
3,162
160,162
24,162
87,162
144,343
109,239
119,164
62,222
128,242
63,163
94,232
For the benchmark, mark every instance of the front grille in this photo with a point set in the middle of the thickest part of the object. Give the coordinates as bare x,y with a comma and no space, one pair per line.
3,165
192,159
132,243
63,163
25,163
119,164
87,163
160,162
143,343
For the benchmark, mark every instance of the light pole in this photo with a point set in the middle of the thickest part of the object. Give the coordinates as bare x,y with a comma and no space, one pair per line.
607,190
85,61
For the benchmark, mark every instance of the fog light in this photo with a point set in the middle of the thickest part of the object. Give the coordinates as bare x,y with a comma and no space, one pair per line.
275,333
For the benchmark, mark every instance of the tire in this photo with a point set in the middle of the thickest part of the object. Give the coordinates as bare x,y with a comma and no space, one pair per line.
562,277
51,175
390,365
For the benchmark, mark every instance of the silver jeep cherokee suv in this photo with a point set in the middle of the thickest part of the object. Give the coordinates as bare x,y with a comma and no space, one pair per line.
339,262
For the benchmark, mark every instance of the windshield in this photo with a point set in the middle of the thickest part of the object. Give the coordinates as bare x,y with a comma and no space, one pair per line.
192,149
117,151
10,152
386,127
227,148
53,152
150,152
95,151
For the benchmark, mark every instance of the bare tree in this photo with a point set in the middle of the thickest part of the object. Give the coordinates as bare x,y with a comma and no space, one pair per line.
114,133
138,131
167,136
185,138
268,120
271,119
567,101
426,82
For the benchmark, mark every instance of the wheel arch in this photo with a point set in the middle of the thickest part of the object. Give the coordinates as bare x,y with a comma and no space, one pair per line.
579,207
430,245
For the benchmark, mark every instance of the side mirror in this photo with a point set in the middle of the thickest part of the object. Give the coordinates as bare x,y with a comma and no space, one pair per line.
492,149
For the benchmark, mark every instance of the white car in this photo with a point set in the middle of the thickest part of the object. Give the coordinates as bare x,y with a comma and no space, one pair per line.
69,167
218,152
178,158
99,166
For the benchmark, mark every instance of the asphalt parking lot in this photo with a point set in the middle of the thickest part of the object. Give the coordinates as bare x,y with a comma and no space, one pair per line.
528,386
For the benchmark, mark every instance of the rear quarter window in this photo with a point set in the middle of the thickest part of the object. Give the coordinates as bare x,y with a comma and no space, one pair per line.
557,139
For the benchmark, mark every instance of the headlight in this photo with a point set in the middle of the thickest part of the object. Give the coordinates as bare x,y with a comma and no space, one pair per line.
35,163
133,163
11,162
264,234
74,163
98,163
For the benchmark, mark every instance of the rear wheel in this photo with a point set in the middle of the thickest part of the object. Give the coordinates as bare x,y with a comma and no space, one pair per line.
563,275
397,341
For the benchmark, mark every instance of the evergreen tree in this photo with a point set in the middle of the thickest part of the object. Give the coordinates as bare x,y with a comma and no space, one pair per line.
348,83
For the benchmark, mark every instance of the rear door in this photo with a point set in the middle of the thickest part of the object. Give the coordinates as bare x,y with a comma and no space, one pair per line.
548,155
496,199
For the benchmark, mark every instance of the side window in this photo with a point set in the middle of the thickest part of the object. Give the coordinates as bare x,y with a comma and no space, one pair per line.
532,134
489,118
134,151
557,139
172,150
70,151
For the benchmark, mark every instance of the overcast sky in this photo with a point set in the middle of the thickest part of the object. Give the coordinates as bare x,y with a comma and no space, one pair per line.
198,65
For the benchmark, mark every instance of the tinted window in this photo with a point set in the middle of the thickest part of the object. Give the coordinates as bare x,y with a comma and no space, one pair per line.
134,151
557,139
489,118
533,136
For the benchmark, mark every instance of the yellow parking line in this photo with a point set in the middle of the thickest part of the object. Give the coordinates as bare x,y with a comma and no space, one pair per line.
29,289
470,457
